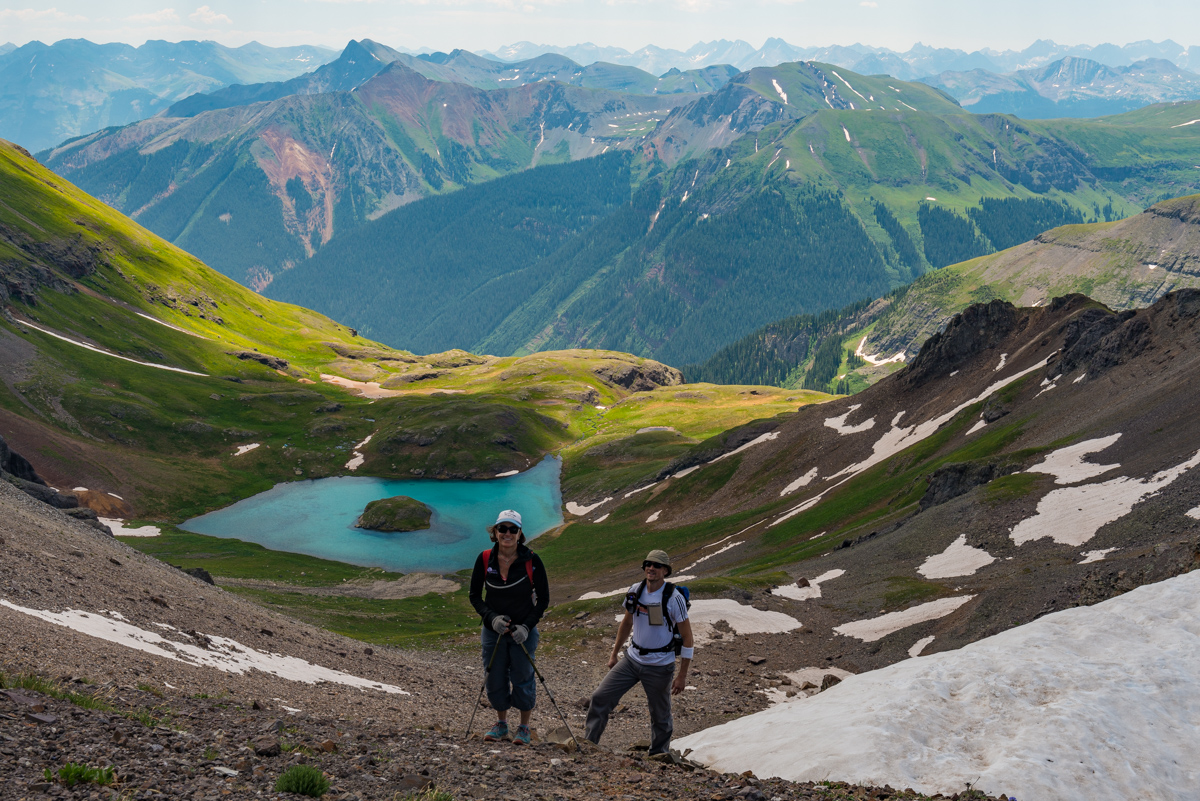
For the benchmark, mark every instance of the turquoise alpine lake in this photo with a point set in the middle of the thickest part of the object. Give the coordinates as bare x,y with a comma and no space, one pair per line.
317,518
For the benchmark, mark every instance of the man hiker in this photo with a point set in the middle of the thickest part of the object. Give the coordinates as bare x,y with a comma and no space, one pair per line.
661,629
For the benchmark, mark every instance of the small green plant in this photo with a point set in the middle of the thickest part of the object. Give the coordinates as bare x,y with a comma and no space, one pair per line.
432,794
149,688
143,717
302,779
74,773
210,753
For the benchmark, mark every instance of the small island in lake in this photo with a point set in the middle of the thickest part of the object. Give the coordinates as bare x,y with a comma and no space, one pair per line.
400,513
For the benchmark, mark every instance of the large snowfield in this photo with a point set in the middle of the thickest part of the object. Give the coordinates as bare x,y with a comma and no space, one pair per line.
1099,702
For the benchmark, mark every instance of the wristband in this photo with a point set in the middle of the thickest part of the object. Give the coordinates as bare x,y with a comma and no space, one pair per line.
687,653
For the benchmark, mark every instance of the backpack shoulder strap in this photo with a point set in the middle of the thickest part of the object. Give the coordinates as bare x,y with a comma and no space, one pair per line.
529,570
633,596
668,591
487,558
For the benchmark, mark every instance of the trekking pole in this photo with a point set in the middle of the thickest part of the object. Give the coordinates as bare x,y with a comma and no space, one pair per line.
550,695
487,672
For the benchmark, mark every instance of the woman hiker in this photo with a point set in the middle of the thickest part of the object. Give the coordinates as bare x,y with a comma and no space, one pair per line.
517,594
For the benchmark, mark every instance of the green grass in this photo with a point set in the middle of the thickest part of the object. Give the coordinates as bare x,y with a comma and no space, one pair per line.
1009,488
74,773
303,780
40,684
423,621
247,560
904,590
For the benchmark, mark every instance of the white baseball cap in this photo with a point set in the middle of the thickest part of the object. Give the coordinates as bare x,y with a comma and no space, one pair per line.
509,516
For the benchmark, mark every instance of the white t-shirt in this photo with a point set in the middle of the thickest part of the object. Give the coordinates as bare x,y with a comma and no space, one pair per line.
649,636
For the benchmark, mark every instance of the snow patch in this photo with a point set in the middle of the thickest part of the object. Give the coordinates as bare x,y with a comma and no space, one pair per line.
1182,124
654,516
357,460
579,510
1003,360
813,590
1067,465
591,596
1095,702
1081,377
244,449
919,646
1193,513
876,359
838,424
1073,515
779,89
222,653
760,439
507,473
687,470
978,425
959,559
742,618
1095,556
602,517
847,133
102,352
877,628
641,489
717,552
120,530
803,481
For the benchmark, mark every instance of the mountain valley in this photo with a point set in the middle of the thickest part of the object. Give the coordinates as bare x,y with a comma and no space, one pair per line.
905,392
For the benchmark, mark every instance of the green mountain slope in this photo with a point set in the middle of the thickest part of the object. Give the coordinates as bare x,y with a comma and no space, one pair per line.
129,367
1128,264
792,217
255,189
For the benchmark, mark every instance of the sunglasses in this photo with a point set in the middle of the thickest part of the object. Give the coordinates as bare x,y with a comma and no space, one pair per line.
653,564
504,528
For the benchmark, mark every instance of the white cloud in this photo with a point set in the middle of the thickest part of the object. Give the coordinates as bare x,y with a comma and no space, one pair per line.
166,15
32,15
869,4
206,16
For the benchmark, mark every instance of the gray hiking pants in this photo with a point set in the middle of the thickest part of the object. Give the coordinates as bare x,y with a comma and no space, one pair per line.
655,680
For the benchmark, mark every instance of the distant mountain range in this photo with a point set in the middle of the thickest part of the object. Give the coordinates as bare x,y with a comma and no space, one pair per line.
916,62
1070,87
361,60
851,185
49,93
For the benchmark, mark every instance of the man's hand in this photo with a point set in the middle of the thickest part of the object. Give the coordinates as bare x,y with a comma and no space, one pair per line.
613,660
678,685
520,633
501,623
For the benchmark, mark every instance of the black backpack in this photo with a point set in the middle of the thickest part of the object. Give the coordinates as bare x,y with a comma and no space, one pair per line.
669,589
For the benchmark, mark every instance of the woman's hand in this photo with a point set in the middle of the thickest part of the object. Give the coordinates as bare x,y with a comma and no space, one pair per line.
501,624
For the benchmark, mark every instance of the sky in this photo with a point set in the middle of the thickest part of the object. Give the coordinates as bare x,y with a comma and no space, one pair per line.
630,24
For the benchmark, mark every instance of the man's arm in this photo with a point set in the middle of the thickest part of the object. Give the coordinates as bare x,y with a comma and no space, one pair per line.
623,630
685,631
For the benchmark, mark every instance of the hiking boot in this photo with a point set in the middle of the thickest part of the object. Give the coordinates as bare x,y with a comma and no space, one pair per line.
497,732
522,735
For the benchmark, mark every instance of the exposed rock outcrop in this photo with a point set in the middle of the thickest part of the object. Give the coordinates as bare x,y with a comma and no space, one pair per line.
274,362
976,329
952,480
639,377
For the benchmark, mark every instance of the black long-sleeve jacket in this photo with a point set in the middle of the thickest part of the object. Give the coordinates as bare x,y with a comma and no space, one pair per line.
512,597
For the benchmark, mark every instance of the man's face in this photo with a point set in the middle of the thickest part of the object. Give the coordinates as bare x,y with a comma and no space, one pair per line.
654,571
